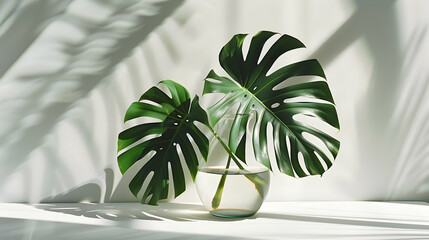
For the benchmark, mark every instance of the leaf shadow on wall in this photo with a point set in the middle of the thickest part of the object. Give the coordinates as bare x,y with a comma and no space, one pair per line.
28,24
92,192
89,192
49,97
376,22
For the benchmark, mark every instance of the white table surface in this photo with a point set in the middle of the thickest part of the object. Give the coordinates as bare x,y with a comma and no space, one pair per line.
275,220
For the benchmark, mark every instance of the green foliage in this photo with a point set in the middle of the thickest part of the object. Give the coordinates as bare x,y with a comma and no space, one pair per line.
257,94
176,117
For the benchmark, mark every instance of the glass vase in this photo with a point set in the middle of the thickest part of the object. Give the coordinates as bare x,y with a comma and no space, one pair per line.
228,186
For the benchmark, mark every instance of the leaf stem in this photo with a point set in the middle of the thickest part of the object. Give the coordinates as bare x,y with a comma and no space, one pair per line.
231,154
218,195
255,179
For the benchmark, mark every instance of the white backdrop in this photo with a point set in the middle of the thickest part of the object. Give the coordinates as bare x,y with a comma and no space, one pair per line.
70,68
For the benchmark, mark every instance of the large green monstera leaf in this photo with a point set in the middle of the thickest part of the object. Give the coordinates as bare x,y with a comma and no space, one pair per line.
174,126
259,93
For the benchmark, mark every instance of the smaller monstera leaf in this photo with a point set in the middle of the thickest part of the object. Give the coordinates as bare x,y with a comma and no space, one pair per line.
258,92
174,126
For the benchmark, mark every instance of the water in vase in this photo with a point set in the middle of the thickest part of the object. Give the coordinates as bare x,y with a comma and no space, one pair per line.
232,192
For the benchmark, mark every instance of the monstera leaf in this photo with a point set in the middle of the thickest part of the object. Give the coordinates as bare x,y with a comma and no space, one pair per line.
174,127
257,92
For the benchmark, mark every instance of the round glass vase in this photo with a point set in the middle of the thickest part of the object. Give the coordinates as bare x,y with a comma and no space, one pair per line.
227,186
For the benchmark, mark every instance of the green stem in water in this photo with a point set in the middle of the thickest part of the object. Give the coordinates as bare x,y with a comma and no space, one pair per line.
218,195
258,181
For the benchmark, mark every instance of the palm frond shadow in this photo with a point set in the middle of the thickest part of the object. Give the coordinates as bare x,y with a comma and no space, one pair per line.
409,127
383,46
411,176
85,72
25,18
381,139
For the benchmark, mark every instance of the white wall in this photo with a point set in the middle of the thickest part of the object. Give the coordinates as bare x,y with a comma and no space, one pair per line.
69,69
